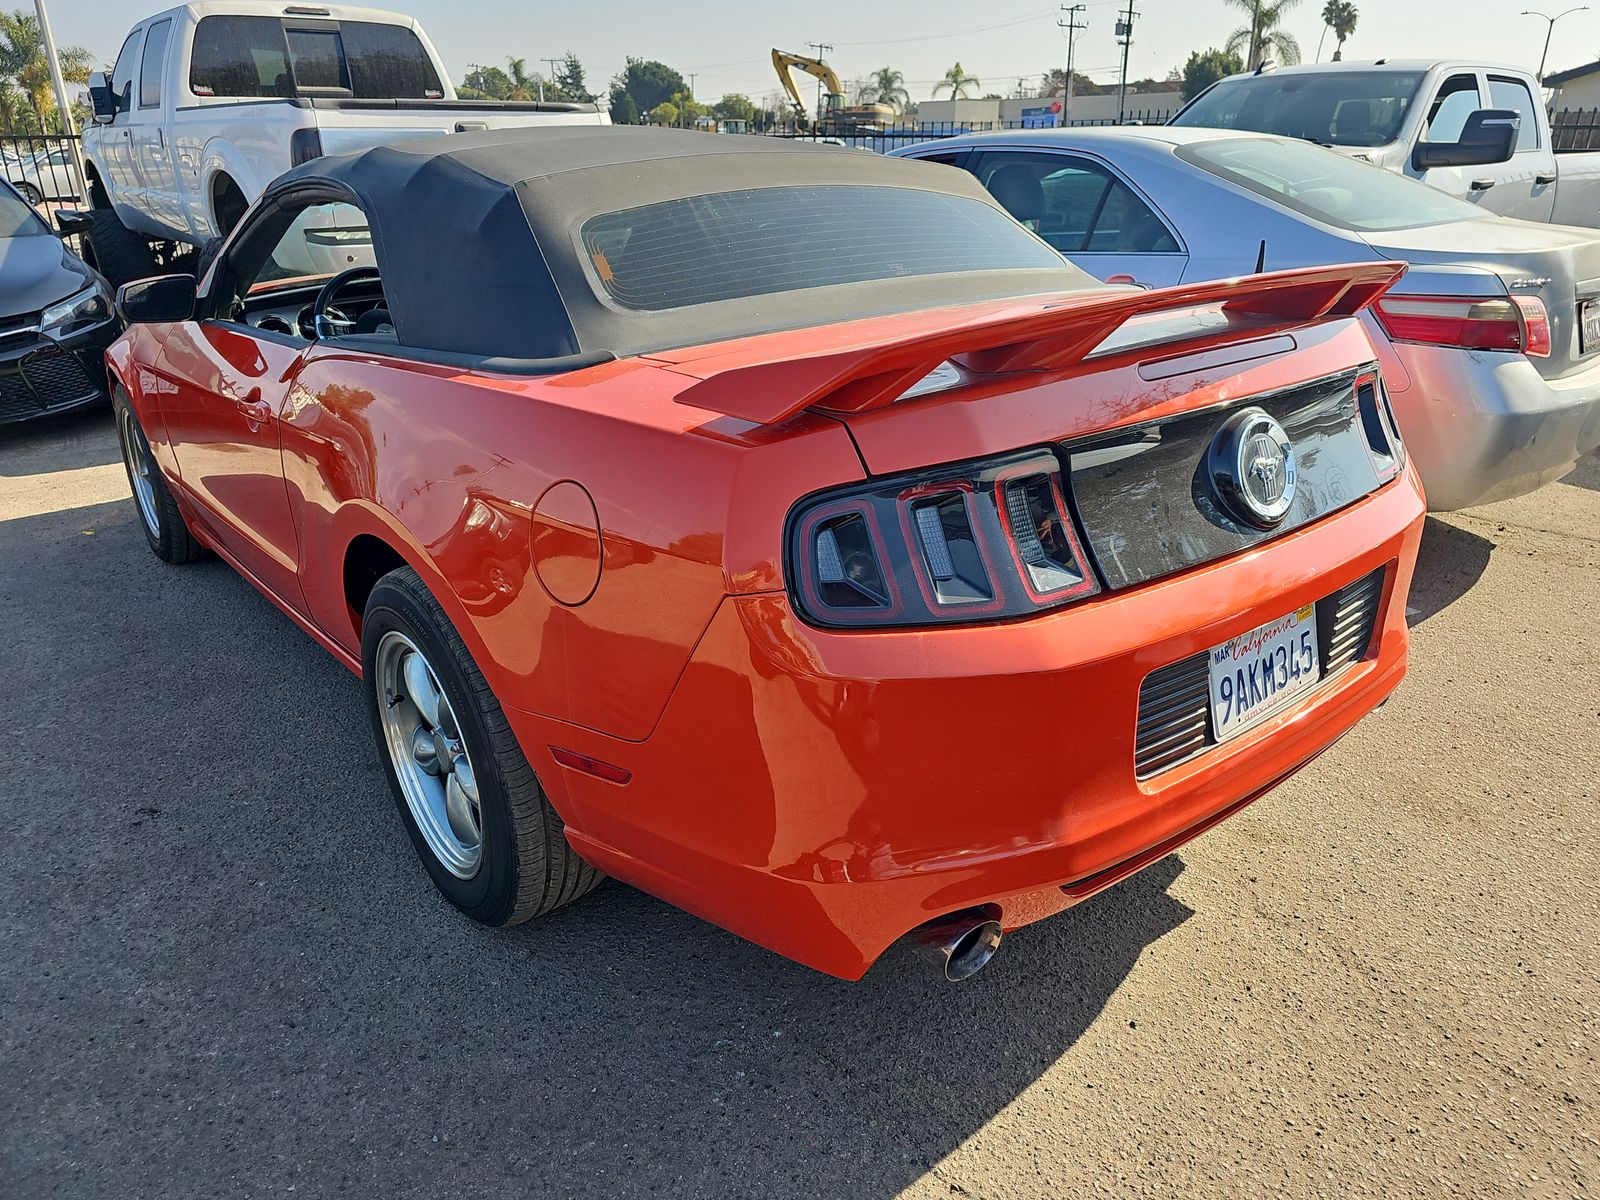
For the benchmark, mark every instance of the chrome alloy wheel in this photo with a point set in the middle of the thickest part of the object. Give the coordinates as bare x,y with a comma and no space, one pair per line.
430,759
141,468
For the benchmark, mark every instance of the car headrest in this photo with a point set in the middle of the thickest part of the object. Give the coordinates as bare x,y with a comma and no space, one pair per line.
1017,188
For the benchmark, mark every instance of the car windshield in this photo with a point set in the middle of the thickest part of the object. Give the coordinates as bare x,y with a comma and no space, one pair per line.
255,57
733,245
1326,186
17,218
1347,108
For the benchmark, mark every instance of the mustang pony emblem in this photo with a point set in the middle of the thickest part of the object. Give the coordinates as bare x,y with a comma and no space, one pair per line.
1252,468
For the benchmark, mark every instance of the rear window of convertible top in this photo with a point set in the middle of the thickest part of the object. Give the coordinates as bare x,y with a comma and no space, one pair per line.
732,245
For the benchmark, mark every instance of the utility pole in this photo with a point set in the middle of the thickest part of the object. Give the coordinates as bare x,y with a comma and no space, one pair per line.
1073,26
63,106
820,48
1125,36
1549,29
551,63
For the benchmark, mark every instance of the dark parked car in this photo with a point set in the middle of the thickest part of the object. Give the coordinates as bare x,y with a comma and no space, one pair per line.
55,318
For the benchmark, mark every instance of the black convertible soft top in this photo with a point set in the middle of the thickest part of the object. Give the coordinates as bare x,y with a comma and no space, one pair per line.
496,244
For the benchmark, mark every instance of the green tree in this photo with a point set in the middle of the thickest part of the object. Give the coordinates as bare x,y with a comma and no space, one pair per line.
569,78
523,85
1339,16
489,83
647,83
887,86
1264,38
665,113
1054,83
958,81
1205,67
735,106
623,110
24,69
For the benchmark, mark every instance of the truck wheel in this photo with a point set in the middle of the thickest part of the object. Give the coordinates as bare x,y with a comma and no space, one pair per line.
480,822
163,525
115,250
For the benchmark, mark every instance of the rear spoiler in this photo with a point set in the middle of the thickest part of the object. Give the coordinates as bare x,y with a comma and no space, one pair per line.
1041,334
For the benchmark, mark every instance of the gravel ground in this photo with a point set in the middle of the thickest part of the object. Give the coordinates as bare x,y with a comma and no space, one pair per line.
222,973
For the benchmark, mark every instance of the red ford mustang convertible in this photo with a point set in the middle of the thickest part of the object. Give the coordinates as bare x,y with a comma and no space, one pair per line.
784,531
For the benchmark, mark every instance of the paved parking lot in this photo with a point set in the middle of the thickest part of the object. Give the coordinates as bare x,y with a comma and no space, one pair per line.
223,973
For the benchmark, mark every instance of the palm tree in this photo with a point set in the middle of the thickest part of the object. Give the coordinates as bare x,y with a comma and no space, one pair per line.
1339,16
887,86
523,85
23,64
1263,38
958,81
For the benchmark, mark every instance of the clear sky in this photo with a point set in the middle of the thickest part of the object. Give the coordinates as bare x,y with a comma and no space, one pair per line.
727,45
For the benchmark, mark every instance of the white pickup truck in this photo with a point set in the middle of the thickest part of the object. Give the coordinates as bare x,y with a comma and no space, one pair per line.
1475,130
210,101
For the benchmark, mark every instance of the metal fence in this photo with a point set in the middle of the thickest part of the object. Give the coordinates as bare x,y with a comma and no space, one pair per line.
40,166
1575,129
912,132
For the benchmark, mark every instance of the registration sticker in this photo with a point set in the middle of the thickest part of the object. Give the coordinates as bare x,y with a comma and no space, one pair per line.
1260,672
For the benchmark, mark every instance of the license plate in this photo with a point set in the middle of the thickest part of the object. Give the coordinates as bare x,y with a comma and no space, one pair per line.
1588,326
1260,672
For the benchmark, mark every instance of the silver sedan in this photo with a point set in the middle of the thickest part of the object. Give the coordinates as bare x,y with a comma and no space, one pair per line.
1490,344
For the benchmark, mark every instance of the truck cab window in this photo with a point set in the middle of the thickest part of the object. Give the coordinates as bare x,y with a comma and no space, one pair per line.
155,61
122,73
1457,100
1513,94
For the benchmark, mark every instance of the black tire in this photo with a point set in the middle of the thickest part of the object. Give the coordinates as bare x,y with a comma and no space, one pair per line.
228,205
117,252
526,868
30,193
163,525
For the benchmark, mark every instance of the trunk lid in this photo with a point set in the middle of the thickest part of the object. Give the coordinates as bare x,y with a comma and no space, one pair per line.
1559,264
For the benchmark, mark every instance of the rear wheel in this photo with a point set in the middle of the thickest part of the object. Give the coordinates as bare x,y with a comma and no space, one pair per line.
117,252
30,193
163,525
476,815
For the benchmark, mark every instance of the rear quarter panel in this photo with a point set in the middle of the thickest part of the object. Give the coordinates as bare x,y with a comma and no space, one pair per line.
449,468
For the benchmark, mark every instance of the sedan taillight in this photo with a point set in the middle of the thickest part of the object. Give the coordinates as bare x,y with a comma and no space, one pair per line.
1518,323
985,541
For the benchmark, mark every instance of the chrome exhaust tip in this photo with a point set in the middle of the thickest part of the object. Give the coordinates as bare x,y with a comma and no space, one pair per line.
961,944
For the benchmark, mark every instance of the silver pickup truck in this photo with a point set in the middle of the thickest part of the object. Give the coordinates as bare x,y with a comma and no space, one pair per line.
210,101
1475,130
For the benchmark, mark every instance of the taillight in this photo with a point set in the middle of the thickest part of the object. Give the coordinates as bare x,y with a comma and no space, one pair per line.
1378,426
1517,323
983,541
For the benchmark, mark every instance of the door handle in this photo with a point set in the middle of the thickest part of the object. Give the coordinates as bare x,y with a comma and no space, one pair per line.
253,408
1482,185
1541,180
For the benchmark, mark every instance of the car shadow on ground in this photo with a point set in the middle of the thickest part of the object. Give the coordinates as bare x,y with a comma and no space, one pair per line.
227,972
1450,561
67,441
1586,474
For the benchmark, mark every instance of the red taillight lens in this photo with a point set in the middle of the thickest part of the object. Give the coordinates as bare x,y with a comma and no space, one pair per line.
1518,323
986,541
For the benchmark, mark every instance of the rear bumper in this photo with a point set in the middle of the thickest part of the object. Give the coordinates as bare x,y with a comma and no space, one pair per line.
824,793
44,377
1485,426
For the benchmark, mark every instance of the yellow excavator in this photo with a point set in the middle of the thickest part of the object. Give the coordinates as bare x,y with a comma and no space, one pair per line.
836,116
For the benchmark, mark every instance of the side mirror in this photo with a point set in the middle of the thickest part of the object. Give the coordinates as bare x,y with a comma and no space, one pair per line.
102,99
164,299
1489,136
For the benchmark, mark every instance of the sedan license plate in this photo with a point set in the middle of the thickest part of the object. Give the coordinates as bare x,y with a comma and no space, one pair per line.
1588,326
1260,672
